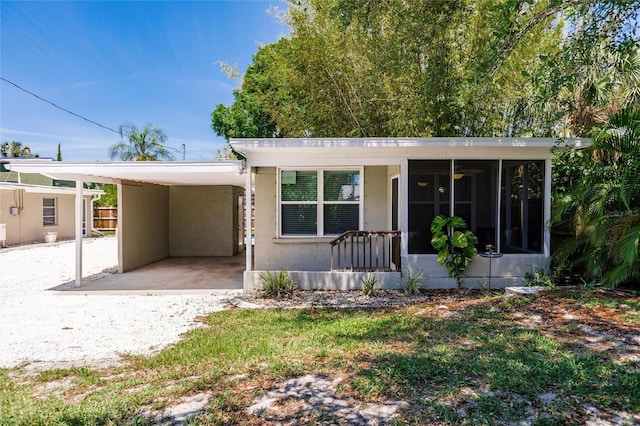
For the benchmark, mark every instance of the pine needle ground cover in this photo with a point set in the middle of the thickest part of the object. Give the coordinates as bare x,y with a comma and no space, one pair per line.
565,357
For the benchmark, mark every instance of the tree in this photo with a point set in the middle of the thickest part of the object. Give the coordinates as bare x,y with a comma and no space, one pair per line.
464,68
15,149
59,153
603,209
248,116
147,144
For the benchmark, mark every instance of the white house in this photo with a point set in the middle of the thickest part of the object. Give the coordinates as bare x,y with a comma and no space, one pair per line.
34,208
308,192
332,210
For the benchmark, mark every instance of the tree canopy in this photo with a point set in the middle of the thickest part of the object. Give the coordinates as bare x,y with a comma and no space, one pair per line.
147,144
15,149
464,68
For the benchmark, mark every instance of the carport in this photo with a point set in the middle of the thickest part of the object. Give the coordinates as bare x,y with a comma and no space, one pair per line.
166,210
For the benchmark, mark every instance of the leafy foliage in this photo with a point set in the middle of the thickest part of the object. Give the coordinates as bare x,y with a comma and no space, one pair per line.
147,144
456,247
16,149
368,284
603,208
464,68
276,284
413,284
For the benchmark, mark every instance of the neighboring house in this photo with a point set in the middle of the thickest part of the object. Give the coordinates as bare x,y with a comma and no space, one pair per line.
330,211
32,205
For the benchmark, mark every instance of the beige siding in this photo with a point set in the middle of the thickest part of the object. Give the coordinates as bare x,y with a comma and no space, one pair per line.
27,226
204,220
307,254
144,224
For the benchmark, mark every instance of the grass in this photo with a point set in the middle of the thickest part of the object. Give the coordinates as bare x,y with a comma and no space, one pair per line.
479,366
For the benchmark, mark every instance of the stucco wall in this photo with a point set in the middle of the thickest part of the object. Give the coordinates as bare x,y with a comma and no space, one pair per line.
507,270
203,220
27,226
308,254
143,224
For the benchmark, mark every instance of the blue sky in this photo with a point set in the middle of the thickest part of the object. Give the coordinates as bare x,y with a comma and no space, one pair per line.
123,62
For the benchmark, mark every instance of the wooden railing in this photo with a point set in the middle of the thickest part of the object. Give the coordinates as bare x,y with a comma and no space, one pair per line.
366,251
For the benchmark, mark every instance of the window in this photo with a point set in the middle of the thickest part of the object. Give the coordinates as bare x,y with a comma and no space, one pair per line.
319,202
49,212
472,186
475,183
522,206
429,196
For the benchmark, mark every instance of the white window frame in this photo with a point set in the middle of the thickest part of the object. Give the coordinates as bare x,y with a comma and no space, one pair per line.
55,212
320,203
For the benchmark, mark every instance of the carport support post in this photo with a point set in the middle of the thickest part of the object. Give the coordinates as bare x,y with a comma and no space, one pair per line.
247,217
79,215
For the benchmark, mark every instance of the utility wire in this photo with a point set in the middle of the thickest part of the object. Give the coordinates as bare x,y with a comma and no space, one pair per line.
58,106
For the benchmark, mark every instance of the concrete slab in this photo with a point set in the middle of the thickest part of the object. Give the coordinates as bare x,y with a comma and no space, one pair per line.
523,291
170,276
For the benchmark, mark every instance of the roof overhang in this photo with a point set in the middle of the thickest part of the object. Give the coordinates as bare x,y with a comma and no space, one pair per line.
42,189
379,151
155,172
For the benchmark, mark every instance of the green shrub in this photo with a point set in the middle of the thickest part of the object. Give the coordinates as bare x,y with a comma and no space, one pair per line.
539,277
368,284
277,284
456,245
413,283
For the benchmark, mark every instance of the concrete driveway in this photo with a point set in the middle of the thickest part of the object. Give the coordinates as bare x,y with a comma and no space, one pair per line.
173,275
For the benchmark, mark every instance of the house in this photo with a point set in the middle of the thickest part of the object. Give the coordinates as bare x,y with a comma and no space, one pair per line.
310,192
332,210
37,208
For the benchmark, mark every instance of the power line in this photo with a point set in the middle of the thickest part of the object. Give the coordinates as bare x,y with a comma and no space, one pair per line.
58,106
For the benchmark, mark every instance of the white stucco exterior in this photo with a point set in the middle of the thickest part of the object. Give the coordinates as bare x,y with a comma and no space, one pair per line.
308,258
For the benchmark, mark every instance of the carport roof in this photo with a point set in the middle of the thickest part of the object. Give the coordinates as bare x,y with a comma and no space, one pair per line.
156,172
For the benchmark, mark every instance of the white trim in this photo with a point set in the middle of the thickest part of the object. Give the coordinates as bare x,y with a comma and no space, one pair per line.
79,207
404,208
43,189
499,207
547,208
248,216
119,229
390,201
155,172
319,202
294,153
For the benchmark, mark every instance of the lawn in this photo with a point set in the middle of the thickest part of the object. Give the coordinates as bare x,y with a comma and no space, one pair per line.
565,357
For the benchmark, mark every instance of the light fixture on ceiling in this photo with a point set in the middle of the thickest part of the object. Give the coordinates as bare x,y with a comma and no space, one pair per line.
457,176
423,184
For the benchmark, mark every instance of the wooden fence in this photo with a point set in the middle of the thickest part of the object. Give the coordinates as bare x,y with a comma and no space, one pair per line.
105,218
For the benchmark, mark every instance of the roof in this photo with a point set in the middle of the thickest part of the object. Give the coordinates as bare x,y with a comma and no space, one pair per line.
371,151
47,189
167,173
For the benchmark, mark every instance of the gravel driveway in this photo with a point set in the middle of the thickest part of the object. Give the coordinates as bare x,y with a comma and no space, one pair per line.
47,328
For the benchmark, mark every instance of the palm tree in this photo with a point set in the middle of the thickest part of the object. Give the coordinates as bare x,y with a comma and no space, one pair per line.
147,144
15,149
605,213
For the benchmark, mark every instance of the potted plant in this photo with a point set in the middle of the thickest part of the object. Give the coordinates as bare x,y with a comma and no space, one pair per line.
456,245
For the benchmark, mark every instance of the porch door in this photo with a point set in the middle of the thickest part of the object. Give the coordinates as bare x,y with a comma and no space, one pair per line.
395,180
